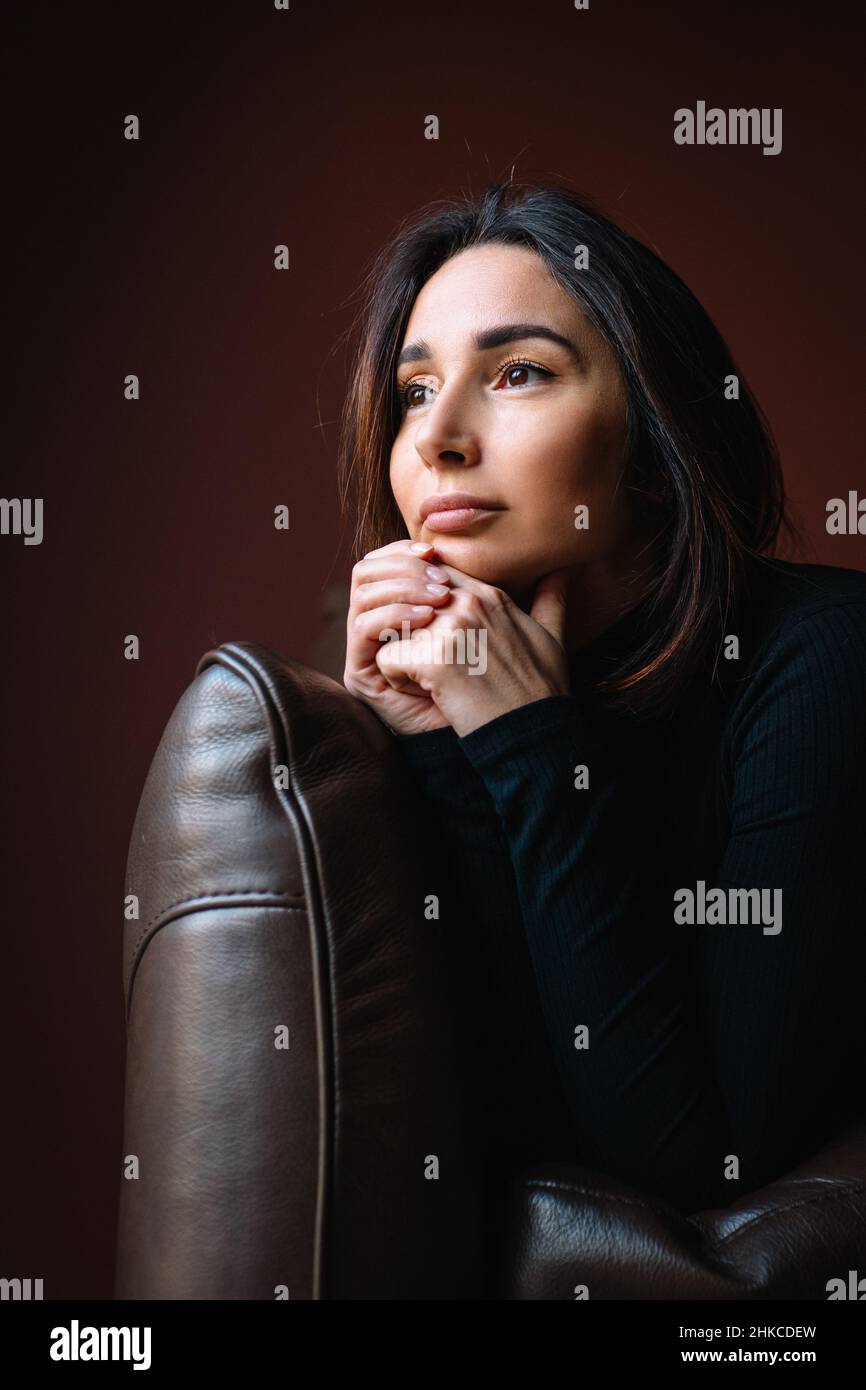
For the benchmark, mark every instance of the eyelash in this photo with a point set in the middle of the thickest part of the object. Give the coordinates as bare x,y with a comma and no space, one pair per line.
403,391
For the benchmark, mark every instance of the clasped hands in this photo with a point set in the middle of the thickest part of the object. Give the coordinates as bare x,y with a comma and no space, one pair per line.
412,681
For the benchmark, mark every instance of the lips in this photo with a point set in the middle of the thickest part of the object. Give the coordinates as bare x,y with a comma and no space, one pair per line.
456,501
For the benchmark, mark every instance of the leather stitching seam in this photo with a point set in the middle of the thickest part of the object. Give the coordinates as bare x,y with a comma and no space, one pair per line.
211,897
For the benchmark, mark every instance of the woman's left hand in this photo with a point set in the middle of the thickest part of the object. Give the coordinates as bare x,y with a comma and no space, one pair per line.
482,655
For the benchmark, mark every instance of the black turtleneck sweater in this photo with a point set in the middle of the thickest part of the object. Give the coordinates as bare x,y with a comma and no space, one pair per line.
695,1059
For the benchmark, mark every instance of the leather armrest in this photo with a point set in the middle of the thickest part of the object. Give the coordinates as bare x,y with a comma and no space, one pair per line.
298,1111
566,1228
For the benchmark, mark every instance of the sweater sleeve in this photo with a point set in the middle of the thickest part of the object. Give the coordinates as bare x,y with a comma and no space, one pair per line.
525,1110
674,1059
792,992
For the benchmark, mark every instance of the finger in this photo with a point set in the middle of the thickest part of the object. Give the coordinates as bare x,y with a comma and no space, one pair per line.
405,543
406,589
398,663
394,671
461,580
393,564
377,625
380,565
419,550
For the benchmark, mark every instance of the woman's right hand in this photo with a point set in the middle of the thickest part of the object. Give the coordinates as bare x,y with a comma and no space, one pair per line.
386,585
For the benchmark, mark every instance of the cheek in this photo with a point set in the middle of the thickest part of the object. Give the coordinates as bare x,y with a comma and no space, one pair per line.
576,421
398,473
596,429
575,451
570,459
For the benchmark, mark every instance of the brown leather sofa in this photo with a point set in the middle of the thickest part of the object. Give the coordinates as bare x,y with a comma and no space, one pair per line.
301,1108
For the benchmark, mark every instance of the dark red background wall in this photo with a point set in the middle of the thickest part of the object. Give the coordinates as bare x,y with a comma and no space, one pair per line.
156,257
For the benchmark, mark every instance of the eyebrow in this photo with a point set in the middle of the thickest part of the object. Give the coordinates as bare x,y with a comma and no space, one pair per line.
494,337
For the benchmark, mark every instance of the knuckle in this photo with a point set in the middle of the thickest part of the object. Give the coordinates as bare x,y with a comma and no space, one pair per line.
472,606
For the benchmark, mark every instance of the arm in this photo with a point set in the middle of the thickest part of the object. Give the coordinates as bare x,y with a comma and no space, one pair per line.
794,998
524,1103
680,1070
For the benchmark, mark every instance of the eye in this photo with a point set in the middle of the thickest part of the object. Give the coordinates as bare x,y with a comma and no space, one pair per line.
519,364
506,370
404,394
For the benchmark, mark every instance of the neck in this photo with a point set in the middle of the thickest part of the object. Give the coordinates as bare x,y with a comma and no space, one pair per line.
599,594
595,603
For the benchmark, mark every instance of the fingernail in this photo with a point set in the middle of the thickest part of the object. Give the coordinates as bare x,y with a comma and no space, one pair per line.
439,589
436,573
421,608
421,545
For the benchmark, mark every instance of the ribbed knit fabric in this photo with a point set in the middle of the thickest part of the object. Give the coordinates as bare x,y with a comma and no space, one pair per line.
707,1041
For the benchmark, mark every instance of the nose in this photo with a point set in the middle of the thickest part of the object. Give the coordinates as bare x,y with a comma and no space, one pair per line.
445,435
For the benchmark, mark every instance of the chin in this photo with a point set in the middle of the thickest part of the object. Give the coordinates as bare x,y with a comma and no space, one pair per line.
487,563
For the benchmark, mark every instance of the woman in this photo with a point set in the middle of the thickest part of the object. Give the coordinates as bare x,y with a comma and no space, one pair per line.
621,709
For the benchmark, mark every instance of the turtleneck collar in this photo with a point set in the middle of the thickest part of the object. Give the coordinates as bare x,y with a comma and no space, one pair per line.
597,659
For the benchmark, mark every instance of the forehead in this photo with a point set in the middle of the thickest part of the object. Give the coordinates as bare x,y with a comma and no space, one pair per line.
485,285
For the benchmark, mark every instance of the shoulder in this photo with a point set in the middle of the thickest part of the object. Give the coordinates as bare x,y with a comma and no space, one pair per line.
787,605
802,629
780,594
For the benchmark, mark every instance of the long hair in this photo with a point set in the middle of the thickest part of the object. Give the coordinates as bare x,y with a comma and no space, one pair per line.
701,462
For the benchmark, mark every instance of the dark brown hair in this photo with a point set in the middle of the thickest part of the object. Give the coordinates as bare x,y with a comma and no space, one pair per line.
703,468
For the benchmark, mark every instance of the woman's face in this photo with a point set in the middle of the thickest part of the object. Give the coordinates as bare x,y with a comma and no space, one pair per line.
540,439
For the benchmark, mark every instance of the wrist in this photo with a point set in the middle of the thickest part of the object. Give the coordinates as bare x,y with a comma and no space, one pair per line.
465,722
